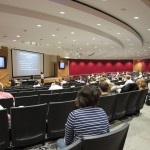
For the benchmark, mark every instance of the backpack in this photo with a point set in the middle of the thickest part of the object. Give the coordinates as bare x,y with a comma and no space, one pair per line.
147,101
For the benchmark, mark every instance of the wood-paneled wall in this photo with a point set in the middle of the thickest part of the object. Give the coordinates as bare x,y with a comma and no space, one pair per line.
4,73
62,72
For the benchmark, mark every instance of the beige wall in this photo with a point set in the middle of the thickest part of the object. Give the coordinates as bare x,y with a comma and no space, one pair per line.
49,62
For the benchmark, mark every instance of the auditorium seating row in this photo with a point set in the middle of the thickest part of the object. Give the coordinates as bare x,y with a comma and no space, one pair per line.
38,91
28,130
110,141
30,124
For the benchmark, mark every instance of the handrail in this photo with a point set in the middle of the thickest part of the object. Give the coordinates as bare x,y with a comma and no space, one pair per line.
4,75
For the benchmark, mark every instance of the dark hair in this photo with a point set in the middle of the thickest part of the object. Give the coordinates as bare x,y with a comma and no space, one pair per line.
88,96
104,86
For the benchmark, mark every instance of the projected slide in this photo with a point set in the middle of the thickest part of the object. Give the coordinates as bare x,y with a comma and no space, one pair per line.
26,63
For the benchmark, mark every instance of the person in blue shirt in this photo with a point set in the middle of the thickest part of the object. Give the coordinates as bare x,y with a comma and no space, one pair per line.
87,120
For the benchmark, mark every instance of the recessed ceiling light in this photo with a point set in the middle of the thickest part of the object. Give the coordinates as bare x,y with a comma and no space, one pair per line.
73,40
62,12
148,47
53,35
80,47
95,47
47,44
72,32
59,42
14,40
98,24
18,36
87,43
67,57
144,49
103,0
136,18
128,39
39,26
131,44
59,47
148,29
118,33
93,38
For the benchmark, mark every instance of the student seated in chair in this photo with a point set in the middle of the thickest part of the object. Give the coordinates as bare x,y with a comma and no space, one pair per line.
87,120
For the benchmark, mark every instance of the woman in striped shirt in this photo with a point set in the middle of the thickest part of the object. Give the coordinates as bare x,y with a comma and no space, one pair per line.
87,120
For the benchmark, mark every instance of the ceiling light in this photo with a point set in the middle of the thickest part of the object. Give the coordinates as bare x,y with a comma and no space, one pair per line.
144,49
148,47
103,0
47,44
80,48
136,18
72,33
59,47
18,36
131,44
59,42
98,24
118,33
148,29
39,26
73,40
14,40
93,38
53,35
62,12
87,43
67,57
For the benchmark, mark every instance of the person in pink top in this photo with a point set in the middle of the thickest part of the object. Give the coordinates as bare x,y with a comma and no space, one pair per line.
4,94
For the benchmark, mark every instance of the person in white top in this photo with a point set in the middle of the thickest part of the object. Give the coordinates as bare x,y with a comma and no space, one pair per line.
63,81
42,78
55,86
128,80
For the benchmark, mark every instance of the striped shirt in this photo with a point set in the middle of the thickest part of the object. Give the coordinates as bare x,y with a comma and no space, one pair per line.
88,121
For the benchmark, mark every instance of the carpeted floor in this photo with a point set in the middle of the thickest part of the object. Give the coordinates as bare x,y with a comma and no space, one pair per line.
138,137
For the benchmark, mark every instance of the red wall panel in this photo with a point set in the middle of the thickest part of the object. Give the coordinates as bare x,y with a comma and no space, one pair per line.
146,65
78,67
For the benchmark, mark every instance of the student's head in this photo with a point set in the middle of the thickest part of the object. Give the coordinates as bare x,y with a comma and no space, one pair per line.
141,84
104,86
87,96
36,82
128,77
1,87
57,82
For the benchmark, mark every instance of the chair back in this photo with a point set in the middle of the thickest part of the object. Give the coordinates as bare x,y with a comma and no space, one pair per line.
108,104
141,100
4,132
28,125
132,101
113,140
57,117
26,93
120,106
7,103
68,96
74,146
26,100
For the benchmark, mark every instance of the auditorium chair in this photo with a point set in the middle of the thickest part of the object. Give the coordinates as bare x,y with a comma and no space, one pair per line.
26,93
74,146
70,89
120,106
26,100
4,132
113,140
7,103
141,100
108,104
57,91
28,125
57,117
68,96
132,101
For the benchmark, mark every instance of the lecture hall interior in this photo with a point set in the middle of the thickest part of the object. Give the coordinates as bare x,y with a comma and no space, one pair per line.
74,39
